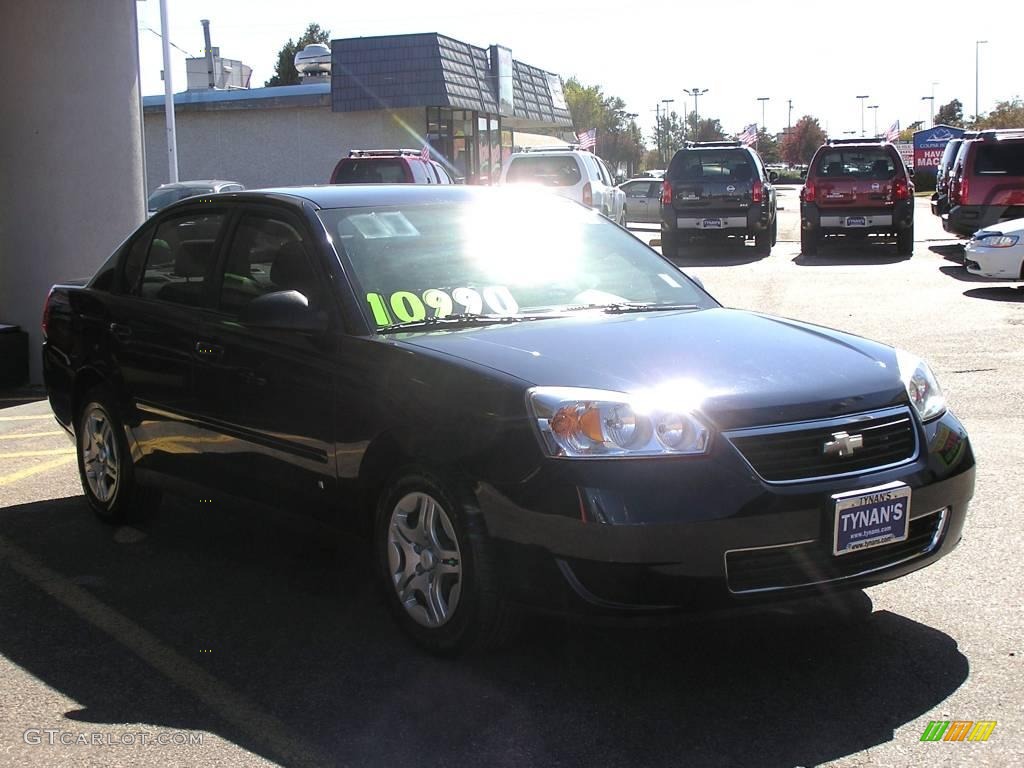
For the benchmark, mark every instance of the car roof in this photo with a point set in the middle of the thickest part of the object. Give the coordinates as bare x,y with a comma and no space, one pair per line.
196,183
358,195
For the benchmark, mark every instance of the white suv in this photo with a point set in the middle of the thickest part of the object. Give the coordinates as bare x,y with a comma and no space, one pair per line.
572,173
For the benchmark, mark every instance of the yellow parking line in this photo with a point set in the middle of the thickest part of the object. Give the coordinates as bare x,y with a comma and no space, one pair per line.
26,435
32,454
36,417
262,727
35,470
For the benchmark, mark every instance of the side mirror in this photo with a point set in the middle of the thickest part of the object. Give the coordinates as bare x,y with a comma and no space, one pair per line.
285,311
772,175
910,172
803,174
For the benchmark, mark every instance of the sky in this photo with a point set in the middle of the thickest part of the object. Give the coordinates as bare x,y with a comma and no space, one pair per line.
820,55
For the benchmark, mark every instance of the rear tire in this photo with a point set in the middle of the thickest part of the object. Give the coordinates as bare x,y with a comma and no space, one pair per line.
775,231
105,463
435,566
905,241
808,242
670,245
763,242
622,218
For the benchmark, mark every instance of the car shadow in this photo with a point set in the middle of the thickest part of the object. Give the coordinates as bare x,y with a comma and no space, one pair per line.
9,398
998,293
836,252
701,253
270,635
960,273
950,252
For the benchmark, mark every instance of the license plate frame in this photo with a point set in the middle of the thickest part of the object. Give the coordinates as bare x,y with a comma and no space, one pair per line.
711,223
868,517
855,221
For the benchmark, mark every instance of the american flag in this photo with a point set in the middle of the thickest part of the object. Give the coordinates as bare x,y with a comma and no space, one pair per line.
749,135
425,152
894,132
587,139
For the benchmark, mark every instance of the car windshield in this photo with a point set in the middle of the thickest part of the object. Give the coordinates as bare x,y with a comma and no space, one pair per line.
161,198
500,255
867,163
549,171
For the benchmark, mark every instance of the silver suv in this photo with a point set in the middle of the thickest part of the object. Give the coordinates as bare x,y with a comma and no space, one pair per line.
572,173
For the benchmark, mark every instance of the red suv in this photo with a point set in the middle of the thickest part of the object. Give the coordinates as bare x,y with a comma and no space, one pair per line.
986,183
857,187
388,166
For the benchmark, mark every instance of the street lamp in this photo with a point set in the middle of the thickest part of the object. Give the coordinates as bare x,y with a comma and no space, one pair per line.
696,93
762,99
931,108
862,98
977,48
874,107
666,102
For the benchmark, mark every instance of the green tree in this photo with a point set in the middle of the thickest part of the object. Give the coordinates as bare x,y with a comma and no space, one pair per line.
669,135
619,139
703,129
1007,114
951,114
802,141
768,147
284,71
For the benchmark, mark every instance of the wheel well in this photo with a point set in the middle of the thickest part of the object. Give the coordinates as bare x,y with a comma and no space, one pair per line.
382,458
86,380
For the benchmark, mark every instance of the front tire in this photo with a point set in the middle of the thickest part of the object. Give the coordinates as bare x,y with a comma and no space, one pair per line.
434,565
105,464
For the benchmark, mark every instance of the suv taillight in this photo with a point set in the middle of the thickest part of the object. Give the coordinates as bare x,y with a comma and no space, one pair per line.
588,195
954,190
808,192
666,193
46,312
900,188
964,190
757,193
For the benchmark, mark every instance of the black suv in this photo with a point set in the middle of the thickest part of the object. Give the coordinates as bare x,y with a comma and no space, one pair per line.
717,188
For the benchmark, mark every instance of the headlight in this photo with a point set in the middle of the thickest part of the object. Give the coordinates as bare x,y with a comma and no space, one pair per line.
593,423
922,388
995,239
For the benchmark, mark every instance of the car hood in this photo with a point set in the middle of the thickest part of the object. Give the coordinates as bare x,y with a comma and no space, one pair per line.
745,368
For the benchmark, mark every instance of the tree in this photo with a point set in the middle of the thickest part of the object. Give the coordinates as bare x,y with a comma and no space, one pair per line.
802,141
1007,114
703,129
285,72
669,135
619,140
951,114
768,147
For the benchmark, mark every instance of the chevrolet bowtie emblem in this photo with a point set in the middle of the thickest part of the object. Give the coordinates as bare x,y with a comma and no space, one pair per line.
842,444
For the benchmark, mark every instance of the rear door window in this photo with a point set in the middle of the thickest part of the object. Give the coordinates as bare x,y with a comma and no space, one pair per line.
1000,159
862,163
181,257
550,171
372,170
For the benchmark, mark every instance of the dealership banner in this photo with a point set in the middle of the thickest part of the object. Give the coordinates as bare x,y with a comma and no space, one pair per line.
930,143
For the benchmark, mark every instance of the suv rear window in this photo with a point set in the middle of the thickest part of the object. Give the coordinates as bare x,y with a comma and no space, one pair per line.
710,164
549,171
371,171
1000,159
857,164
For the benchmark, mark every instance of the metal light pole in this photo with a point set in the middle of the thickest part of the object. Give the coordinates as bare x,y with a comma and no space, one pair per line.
172,141
666,102
862,99
696,93
977,48
789,119
931,108
874,107
657,127
763,100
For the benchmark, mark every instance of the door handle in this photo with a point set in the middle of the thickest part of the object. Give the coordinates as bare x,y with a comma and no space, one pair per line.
120,332
209,351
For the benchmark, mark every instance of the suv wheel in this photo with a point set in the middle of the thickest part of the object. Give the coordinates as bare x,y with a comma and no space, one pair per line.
622,218
105,463
905,241
808,242
763,242
439,579
775,231
669,245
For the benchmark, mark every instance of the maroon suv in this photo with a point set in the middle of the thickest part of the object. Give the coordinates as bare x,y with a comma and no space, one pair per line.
857,187
389,166
986,183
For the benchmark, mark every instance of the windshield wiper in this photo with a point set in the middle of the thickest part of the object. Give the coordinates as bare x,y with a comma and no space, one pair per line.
464,319
625,307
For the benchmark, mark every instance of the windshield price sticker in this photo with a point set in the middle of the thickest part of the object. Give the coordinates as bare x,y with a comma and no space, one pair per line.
410,307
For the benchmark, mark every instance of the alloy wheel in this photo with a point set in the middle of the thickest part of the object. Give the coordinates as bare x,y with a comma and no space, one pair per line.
100,459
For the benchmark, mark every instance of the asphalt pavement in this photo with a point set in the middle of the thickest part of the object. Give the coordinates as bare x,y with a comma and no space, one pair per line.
218,633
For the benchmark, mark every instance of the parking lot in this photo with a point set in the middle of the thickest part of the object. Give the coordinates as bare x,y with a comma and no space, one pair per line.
264,634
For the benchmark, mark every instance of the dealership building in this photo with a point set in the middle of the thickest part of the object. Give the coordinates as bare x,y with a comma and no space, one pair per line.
395,91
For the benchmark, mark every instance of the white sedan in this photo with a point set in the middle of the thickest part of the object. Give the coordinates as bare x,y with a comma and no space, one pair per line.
997,252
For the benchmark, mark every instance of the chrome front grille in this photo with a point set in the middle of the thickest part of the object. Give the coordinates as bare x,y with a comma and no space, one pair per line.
790,453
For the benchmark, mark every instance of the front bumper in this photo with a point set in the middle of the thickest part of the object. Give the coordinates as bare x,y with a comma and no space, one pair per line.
680,533
995,263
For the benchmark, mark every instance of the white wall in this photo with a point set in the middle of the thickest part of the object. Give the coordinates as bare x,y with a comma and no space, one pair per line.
70,147
273,147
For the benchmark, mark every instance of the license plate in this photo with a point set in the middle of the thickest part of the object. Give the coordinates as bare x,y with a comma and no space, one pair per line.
871,517
856,221
712,224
